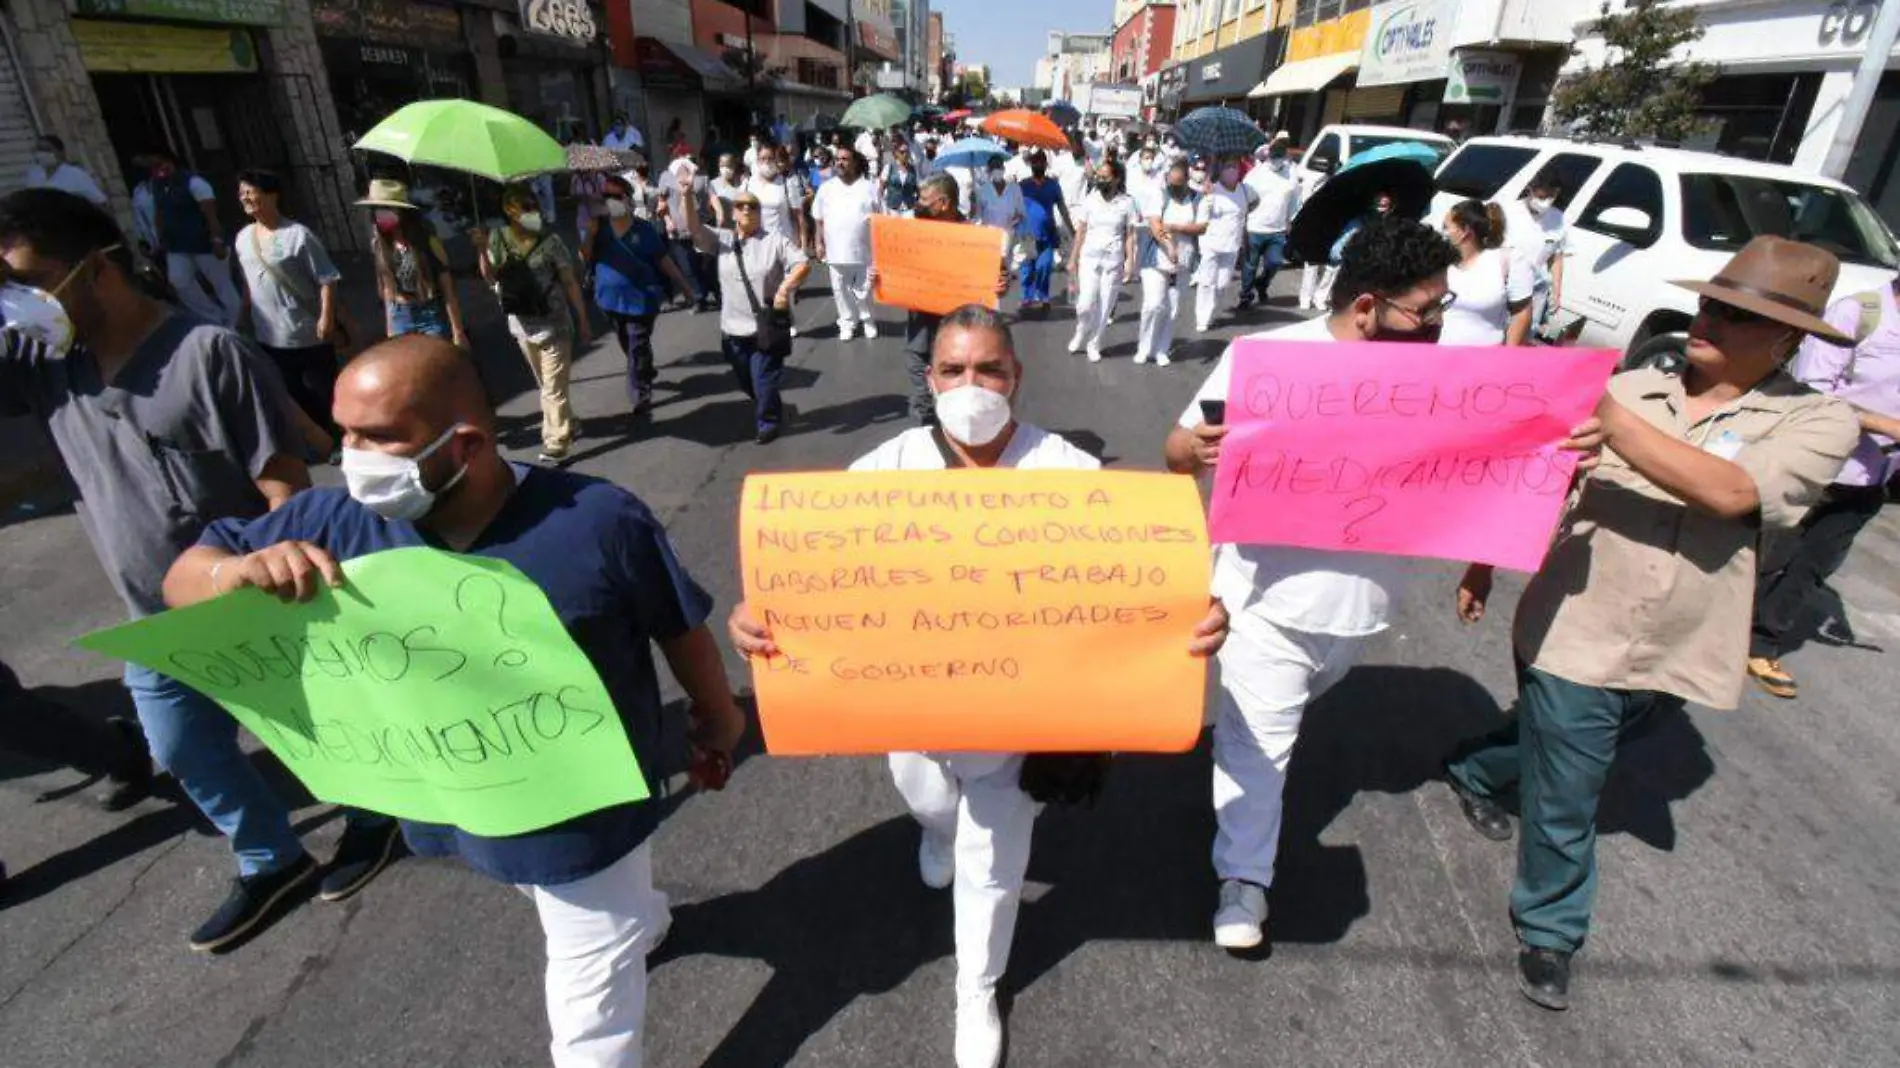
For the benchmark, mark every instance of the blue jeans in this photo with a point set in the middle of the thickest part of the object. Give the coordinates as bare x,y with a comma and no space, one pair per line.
429,317
759,374
1266,254
197,742
1036,270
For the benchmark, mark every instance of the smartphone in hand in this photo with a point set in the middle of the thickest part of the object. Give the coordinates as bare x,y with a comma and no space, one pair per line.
1214,412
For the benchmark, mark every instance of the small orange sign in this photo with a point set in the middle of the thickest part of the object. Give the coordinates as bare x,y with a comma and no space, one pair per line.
991,611
935,267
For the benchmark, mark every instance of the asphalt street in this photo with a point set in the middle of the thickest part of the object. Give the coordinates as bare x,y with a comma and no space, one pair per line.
1748,914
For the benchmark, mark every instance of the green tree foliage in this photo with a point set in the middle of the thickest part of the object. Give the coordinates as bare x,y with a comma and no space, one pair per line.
1638,92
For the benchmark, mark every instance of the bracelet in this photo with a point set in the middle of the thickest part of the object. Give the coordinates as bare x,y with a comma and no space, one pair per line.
215,592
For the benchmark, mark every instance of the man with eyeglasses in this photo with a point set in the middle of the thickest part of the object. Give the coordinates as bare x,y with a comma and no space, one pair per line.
1300,616
1644,601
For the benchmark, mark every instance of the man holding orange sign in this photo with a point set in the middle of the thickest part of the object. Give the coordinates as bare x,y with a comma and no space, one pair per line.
975,813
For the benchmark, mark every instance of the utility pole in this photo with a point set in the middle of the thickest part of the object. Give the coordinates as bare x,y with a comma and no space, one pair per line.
1860,99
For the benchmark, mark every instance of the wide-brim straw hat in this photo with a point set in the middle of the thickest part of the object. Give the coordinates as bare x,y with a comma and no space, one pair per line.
1787,281
386,193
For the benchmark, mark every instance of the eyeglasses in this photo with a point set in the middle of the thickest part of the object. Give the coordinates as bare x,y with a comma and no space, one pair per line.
745,205
1721,311
1429,314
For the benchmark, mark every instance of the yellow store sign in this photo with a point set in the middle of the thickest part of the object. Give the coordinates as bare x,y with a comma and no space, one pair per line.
1344,34
147,48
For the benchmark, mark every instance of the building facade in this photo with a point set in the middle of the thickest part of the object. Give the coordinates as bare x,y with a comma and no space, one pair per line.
1073,59
1144,37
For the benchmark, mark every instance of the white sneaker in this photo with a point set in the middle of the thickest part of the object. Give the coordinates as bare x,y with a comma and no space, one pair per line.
979,1031
1141,357
1095,354
1075,343
794,331
870,330
1242,912
845,333
937,861
1161,359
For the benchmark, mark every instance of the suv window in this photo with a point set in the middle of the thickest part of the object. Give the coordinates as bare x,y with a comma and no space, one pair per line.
1571,169
1723,211
1327,152
1630,185
1479,171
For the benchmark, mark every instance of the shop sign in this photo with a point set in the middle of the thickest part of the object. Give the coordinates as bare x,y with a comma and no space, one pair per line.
1409,41
1482,78
145,48
569,20
1343,34
384,55
235,12
399,22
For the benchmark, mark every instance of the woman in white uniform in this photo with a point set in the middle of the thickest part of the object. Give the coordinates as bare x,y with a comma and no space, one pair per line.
1107,230
1490,286
1167,262
1539,234
976,818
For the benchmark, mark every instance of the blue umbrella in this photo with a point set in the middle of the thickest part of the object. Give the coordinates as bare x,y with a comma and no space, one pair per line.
971,152
1219,132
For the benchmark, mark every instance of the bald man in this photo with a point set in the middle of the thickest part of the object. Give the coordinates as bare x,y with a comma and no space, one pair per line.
423,469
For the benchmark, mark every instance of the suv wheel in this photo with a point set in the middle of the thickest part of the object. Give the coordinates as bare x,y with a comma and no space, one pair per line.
1665,352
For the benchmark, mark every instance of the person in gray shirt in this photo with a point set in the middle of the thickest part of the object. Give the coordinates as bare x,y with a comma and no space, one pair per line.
167,423
759,270
290,293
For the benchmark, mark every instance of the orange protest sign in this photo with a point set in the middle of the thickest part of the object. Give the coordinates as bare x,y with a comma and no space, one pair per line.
935,267
993,611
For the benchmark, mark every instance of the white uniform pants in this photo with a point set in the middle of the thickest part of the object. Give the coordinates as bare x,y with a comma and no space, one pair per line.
598,932
1269,674
976,801
1161,295
852,291
1316,285
1100,282
1213,280
183,269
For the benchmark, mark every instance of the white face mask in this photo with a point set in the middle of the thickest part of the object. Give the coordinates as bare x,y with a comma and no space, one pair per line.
617,206
391,486
1539,205
531,221
36,314
973,415
768,171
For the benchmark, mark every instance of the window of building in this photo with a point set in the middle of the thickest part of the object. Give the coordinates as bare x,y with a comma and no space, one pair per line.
1630,185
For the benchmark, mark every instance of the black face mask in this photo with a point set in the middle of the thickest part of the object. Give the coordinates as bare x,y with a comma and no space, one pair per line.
1425,335
1037,171
1179,192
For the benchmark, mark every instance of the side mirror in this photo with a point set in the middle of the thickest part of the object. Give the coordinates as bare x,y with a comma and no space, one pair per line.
1629,223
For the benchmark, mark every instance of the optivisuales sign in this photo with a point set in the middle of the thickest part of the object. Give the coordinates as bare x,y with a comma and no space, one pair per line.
1408,41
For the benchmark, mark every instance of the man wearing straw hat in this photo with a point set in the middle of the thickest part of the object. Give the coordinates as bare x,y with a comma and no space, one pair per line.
1644,601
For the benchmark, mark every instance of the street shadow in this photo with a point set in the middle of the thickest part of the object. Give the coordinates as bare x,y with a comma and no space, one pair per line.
136,835
1826,622
853,416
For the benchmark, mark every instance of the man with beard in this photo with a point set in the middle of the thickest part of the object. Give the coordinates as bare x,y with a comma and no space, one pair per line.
1300,616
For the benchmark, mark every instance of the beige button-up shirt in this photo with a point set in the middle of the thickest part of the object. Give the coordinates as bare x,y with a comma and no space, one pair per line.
1642,592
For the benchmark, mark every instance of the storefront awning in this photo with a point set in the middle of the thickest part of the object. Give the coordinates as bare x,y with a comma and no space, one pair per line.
669,62
1306,76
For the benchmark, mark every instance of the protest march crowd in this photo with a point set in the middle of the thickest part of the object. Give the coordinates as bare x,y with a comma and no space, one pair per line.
190,444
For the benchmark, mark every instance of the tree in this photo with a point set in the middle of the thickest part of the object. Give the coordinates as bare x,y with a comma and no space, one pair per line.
1638,91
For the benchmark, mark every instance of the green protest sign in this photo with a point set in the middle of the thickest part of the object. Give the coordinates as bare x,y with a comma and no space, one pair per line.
430,686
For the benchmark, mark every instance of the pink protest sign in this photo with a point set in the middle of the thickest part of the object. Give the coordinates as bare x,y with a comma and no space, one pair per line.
1414,450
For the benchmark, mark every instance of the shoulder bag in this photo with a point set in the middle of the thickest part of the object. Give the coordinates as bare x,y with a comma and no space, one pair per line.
339,333
774,323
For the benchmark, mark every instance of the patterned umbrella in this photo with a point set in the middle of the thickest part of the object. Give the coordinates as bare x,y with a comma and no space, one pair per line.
1063,112
598,158
1219,132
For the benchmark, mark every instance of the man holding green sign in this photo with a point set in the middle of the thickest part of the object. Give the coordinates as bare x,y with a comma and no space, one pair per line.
448,689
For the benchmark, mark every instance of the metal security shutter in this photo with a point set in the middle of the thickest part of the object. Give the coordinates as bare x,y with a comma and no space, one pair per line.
18,130
1382,102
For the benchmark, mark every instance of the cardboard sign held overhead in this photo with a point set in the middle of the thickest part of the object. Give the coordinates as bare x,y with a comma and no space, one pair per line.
996,611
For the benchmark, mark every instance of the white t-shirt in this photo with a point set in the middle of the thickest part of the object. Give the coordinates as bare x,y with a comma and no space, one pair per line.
775,206
1535,239
1171,212
996,209
1225,213
1312,590
1108,223
1279,199
1143,177
1032,448
1016,169
1484,295
845,210
70,179
626,139
1072,176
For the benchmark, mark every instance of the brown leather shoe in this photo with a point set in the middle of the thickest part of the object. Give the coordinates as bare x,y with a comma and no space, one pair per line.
1770,676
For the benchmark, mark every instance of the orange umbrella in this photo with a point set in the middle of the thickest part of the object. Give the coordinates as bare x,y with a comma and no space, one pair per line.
1025,127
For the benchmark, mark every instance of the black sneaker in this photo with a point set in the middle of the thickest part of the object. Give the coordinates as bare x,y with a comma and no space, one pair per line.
1486,816
767,436
364,850
1543,976
131,781
252,899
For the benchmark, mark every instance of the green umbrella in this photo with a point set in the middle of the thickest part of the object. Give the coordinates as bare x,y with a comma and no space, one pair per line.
461,135
878,112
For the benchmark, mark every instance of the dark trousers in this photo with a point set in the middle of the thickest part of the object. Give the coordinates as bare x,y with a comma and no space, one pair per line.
310,375
920,333
34,726
1556,752
760,374
697,268
1820,548
635,333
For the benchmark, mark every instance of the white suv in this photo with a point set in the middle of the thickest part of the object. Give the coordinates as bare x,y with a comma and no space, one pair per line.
1335,146
1642,217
